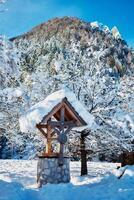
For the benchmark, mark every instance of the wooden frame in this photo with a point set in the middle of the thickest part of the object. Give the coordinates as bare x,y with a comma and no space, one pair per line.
60,120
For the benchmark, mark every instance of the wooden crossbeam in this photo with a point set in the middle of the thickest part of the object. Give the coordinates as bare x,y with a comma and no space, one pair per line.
41,125
61,124
57,124
52,133
42,131
68,130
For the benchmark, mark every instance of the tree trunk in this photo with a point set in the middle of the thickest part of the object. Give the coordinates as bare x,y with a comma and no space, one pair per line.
83,155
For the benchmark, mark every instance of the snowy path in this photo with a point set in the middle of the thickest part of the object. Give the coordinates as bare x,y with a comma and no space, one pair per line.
18,181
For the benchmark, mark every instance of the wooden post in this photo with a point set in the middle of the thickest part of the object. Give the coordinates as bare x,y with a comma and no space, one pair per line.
62,118
83,155
62,115
49,141
61,154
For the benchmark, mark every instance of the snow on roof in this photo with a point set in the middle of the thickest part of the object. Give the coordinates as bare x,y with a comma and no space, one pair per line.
36,113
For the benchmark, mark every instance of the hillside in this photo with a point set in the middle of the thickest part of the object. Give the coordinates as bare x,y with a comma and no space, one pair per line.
92,61
62,36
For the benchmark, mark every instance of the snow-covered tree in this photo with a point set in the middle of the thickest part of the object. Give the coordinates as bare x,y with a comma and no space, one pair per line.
10,93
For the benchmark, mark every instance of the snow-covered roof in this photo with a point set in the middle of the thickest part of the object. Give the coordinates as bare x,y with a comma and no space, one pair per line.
36,113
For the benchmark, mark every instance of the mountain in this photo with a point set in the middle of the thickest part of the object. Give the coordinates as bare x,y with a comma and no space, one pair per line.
63,33
96,64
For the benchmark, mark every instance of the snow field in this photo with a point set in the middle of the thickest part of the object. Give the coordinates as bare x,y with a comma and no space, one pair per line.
18,182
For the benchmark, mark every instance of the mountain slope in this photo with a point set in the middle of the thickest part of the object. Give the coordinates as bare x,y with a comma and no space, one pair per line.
65,32
95,63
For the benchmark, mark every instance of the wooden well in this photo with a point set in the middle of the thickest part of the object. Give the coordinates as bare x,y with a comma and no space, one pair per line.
55,126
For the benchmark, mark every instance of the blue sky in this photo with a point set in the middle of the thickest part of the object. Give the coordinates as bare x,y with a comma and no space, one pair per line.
22,15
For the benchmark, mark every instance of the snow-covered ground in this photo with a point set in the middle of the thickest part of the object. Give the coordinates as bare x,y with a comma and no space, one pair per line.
18,182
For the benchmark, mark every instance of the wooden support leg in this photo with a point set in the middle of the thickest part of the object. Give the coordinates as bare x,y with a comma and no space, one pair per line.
49,141
61,159
48,147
